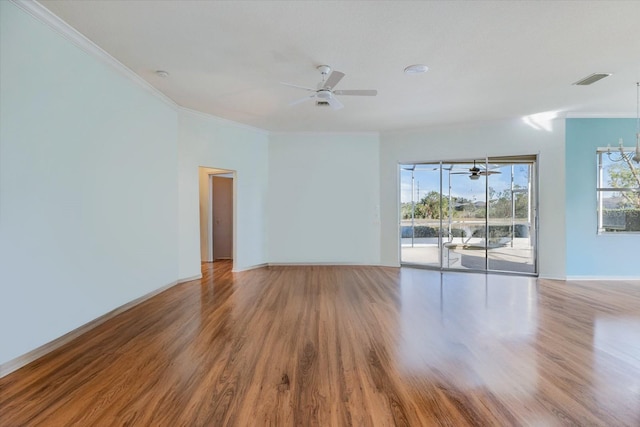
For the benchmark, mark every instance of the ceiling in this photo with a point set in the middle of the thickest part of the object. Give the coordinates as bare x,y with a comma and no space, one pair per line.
487,60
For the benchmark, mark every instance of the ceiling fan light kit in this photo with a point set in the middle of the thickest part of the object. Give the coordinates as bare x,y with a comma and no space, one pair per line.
325,94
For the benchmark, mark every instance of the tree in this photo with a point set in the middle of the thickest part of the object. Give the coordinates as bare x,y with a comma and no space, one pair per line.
622,208
501,203
430,205
625,175
427,208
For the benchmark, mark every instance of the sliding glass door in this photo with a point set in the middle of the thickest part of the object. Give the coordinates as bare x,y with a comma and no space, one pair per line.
510,219
465,248
420,214
469,215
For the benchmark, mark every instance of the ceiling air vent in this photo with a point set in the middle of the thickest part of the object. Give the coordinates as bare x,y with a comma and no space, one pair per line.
322,104
592,79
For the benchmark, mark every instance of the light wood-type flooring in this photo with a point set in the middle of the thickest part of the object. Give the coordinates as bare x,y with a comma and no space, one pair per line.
343,346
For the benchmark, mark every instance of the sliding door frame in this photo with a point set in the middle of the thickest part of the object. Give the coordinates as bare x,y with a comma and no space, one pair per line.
533,195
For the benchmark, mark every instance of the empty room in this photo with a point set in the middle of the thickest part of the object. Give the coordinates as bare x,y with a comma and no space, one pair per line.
327,213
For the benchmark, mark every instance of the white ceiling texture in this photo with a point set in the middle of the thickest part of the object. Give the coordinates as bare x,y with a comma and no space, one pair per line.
487,60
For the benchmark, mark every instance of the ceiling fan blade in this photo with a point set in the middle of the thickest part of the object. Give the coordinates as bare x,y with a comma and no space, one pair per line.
333,80
334,103
489,172
301,100
298,87
357,92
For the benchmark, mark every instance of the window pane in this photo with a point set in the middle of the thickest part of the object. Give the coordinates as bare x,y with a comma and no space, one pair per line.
618,211
617,216
619,173
420,213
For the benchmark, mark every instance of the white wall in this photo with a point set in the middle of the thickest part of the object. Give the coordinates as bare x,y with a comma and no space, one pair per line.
324,198
210,142
99,194
477,141
88,187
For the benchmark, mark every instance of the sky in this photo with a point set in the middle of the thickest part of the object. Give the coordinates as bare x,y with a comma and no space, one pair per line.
427,179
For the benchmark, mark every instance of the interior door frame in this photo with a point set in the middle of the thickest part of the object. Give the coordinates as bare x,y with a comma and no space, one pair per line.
211,172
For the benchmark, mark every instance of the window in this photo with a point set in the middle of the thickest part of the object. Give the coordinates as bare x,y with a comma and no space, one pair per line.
618,191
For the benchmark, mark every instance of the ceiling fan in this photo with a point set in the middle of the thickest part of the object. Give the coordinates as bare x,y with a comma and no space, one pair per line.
475,172
325,95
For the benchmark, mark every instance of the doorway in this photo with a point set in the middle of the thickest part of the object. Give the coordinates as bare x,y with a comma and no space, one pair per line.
222,216
217,214
470,215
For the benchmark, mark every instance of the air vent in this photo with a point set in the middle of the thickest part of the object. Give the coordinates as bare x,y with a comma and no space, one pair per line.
592,79
322,104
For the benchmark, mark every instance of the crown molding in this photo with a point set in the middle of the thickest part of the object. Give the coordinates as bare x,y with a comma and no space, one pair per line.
600,116
54,22
44,15
223,121
325,133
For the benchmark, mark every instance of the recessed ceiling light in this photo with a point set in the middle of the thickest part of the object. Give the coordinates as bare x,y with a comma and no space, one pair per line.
416,69
162,73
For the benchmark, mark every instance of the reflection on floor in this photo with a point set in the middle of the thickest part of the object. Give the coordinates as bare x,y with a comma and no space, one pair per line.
340,346
513,256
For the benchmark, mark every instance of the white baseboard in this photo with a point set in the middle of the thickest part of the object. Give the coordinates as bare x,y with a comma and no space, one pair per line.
307,264
563,278
20,361
607,278
251,267
311,264
188,279
393,265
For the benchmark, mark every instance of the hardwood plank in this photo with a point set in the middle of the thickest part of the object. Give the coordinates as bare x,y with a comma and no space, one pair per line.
343,346
15,364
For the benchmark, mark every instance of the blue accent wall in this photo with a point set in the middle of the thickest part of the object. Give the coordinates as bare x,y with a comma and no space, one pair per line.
590,254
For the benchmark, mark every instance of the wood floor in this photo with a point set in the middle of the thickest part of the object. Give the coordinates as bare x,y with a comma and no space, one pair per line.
342,346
